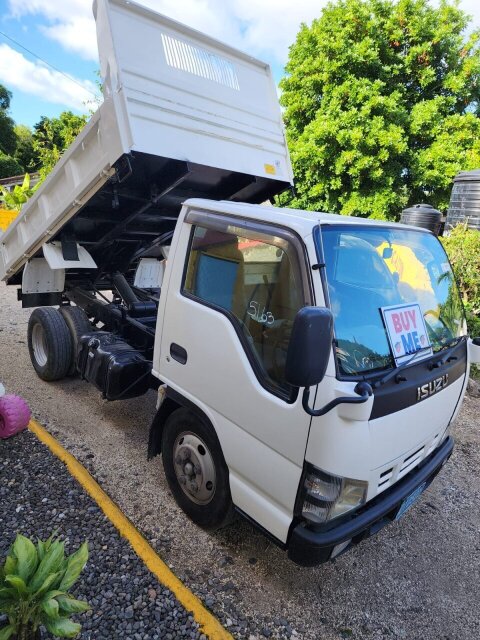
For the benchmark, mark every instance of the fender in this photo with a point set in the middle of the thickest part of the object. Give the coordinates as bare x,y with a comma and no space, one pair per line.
170,403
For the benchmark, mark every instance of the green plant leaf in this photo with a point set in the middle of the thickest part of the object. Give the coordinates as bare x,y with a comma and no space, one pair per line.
51,608
26,554
76,562
53,594
71,605
7,592
7,632
49,582
8,598
17,583
63,627
10,566
41,550
50,564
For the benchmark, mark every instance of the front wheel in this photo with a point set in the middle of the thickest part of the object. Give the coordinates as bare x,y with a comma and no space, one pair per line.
196,470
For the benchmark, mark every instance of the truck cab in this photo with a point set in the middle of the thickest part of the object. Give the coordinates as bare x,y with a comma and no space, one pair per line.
237,279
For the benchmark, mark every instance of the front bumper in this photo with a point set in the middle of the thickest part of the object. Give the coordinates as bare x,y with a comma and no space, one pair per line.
309,546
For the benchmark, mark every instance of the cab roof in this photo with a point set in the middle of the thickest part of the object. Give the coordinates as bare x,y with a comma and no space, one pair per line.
298,219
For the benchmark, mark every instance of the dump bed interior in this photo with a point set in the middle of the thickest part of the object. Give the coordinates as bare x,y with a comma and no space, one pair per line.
183,116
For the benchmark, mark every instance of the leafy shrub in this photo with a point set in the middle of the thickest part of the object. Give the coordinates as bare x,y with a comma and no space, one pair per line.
463,248
17,197
34,584
9,166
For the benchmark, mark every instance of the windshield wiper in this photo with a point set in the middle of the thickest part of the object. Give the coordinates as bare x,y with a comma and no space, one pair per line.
394,372
380,381
447,345
451,343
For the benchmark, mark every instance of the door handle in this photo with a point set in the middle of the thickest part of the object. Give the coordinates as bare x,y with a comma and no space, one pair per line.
178,353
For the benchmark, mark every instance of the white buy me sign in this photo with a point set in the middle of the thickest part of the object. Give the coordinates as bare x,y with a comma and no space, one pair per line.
406,331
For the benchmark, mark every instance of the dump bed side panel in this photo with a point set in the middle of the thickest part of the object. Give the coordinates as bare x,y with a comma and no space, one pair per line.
189,97
81,172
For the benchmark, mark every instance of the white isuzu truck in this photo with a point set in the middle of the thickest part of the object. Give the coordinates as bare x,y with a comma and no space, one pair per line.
308,366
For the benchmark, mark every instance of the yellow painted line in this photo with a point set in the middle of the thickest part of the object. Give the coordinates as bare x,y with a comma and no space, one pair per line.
209,625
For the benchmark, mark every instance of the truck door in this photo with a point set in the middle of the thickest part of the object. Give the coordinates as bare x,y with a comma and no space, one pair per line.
235,287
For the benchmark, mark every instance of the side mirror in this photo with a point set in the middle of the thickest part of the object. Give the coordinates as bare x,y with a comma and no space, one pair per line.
310,347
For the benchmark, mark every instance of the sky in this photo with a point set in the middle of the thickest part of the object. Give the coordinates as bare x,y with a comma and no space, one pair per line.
48,48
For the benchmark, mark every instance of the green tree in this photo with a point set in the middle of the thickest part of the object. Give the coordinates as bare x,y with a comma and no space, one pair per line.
24,152
8,140
52,136
9,166
381,105
463,247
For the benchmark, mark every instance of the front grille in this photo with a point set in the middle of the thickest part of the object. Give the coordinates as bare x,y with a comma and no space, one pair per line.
385,479
388,476
411,461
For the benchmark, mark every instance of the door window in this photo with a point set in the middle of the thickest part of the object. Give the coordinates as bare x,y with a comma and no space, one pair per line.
255,278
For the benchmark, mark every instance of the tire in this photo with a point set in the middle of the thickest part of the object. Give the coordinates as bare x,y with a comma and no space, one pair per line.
49,344
14,415
187,439
78,323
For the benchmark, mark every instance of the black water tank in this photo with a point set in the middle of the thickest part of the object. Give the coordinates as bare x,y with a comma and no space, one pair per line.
465,200
422,215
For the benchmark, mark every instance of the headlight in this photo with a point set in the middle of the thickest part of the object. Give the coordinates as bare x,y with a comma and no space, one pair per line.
329,496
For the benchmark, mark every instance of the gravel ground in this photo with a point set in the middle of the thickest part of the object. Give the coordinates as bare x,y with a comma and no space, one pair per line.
418,579
38,496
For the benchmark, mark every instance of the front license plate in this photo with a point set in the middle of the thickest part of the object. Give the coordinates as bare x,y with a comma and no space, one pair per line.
410,500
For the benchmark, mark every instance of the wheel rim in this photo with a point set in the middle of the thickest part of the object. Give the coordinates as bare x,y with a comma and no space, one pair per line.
194,468
39,345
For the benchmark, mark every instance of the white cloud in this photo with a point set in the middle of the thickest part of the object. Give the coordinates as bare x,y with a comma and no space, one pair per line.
17,72
260,27
272,25
263,28
69,22
76,35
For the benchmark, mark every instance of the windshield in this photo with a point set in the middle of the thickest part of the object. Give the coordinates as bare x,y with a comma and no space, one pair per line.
369,269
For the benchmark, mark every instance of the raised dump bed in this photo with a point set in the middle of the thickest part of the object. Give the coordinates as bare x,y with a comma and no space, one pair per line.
183,115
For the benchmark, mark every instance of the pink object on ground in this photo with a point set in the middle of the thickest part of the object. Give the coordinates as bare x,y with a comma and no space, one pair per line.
14,415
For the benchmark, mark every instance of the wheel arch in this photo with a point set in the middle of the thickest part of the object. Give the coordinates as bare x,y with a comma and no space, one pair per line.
171,403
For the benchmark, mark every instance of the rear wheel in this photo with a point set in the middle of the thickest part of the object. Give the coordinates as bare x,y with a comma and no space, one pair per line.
196,470
78,323
49,343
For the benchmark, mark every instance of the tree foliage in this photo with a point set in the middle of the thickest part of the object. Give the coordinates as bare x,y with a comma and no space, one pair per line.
381,105
24,152
9,166
21,150
8,140
463,248
52,136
